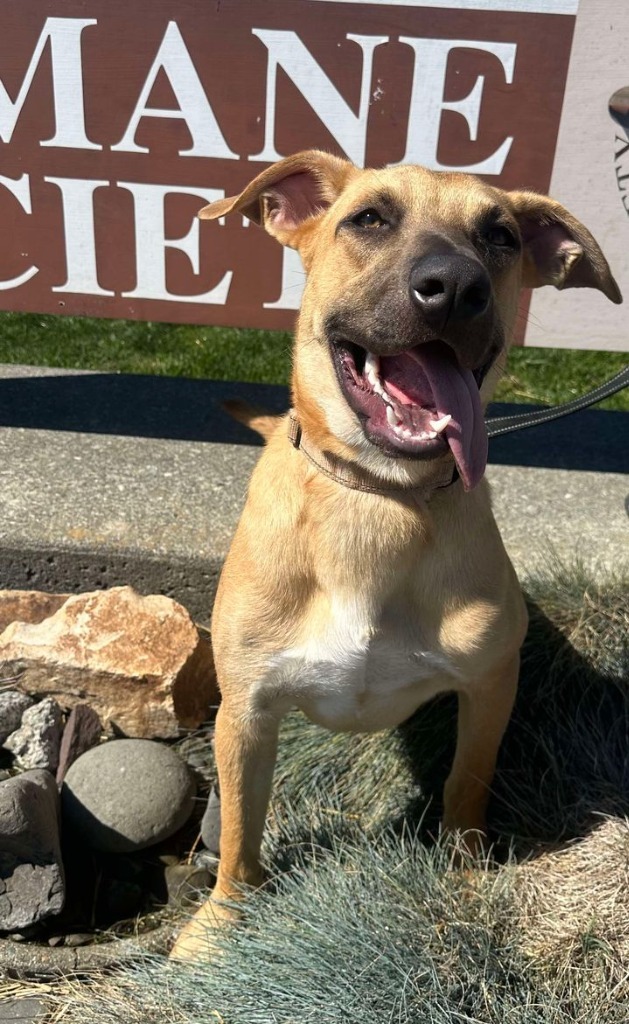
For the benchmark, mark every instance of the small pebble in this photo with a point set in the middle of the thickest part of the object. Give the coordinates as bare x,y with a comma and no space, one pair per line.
13,704
207,860
184,882
79,939
36,743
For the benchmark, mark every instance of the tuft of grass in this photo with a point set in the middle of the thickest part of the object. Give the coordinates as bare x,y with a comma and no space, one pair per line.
545,376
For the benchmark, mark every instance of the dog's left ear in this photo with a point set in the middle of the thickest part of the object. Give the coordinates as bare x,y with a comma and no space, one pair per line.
558,249
288,194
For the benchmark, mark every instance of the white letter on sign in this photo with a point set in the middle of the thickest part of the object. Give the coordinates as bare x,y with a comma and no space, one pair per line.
151,243
194,108
19,188
78,222
287,51
427,102
67,84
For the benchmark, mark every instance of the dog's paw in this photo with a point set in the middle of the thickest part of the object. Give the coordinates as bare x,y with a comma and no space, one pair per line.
197,940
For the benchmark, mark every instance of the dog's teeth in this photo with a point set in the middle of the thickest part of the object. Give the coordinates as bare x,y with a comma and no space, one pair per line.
372,369
391,417
431,435
441,424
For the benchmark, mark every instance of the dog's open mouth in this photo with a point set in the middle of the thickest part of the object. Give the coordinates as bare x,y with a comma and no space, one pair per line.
418,403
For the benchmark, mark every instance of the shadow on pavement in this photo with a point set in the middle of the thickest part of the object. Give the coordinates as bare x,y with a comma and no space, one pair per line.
190,410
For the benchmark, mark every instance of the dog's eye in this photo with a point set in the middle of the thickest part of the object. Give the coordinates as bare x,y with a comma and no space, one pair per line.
500,236
369,219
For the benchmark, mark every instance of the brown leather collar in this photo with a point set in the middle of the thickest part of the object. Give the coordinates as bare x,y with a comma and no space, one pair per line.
344,474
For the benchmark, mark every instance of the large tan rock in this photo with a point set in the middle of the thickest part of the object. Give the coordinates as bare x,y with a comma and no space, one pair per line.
28,606
138,661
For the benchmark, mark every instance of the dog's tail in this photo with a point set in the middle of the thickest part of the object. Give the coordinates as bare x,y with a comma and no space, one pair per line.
264,423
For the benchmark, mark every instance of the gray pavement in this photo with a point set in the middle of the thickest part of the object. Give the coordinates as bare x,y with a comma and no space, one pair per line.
87,508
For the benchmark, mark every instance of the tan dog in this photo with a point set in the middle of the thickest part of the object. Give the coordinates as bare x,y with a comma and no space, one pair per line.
367,574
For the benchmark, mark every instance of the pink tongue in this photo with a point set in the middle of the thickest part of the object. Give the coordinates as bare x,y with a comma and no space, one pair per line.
455,391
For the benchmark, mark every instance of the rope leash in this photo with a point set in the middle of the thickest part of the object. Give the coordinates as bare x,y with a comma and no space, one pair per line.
497,425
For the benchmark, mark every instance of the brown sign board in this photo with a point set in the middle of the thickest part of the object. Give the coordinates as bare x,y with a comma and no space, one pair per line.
119,120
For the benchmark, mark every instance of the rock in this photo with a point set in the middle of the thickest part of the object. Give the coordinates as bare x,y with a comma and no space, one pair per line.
26,935
82,732
138,661
206,860
126,795
28,606
184,882
31,872
76,939
211,823
22,1010
36,743
13,704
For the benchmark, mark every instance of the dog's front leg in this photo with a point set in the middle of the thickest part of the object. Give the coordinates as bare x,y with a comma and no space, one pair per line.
246,749
484,712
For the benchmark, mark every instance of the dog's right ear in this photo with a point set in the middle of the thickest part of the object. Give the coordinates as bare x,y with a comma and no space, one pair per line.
288,194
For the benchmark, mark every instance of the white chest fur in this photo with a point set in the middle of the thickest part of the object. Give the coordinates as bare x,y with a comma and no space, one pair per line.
356,672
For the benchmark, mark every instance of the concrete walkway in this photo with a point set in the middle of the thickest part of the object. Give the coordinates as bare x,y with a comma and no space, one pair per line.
155,502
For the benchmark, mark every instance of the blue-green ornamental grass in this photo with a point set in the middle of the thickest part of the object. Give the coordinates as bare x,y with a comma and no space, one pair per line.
364,918
368,933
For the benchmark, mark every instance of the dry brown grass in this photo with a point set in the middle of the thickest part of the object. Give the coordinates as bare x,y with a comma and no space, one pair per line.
570,901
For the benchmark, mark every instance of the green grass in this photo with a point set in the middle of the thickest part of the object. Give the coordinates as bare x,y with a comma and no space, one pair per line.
226,353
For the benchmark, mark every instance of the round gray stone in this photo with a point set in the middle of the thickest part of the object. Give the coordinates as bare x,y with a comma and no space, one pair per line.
126,795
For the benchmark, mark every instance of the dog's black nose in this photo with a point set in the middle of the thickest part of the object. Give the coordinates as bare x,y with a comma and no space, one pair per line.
449,287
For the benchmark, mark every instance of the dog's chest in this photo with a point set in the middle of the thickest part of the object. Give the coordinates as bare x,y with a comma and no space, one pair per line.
359,671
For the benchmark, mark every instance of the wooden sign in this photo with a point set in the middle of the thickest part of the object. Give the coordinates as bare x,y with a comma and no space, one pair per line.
119,120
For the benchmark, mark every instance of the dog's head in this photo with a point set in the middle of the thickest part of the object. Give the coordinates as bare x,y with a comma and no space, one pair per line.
411,298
